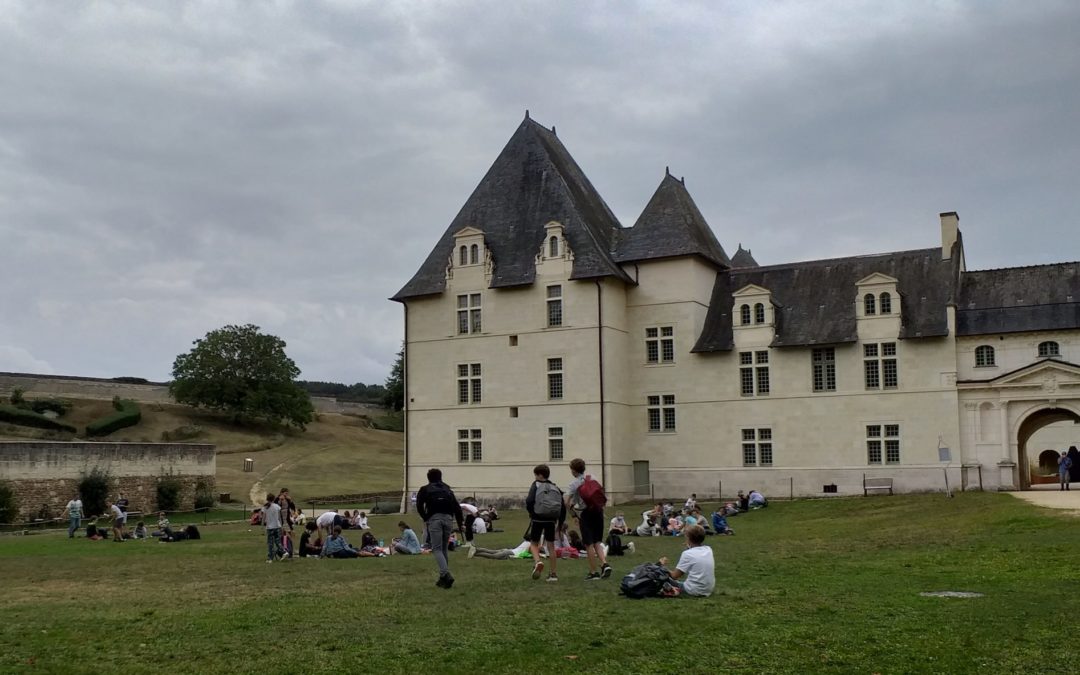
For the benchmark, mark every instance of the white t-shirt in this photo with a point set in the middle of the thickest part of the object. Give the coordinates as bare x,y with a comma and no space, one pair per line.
326,520
470,509
118,514
699,569
480,526
618,522
74,508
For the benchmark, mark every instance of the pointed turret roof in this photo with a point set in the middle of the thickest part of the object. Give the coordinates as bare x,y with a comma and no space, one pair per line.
533,181
742,258
671,225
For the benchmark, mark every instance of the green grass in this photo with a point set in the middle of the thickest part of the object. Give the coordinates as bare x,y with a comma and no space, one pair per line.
812,586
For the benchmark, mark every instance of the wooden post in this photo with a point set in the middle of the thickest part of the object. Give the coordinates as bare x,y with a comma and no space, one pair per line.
791,488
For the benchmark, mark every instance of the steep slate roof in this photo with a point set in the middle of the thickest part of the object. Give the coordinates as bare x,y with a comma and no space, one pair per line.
671,225
533,181
815,300
1019,299
742,258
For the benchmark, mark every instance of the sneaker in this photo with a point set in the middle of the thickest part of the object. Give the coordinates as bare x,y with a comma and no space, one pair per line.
472,551
449,582
631,547
592,576
537,569
269,561
605,571
552,578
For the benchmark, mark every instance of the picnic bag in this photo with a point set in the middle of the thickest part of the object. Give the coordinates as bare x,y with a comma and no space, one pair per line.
592,494
548,503
644,581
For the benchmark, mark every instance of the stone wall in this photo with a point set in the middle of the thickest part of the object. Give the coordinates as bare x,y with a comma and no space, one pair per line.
48,473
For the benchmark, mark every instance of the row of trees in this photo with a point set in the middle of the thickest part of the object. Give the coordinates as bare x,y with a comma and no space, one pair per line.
246,374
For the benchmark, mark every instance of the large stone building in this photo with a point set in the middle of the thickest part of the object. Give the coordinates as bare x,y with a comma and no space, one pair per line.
540,329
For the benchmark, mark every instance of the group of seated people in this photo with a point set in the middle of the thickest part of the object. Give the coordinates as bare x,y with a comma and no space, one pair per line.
334,545
164,532
663,519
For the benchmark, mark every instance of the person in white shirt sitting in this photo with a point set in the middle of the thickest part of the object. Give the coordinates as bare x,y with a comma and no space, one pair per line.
696,564
360,521
479,526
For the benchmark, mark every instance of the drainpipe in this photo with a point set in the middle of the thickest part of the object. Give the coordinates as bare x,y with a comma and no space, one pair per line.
600,354
405,412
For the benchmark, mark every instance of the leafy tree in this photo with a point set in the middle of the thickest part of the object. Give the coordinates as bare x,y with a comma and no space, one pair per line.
240,371
395,383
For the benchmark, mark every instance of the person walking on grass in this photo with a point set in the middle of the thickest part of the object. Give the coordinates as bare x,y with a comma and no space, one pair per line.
439,508
586,499
118,519
74,513
1064,464
546,509
271,517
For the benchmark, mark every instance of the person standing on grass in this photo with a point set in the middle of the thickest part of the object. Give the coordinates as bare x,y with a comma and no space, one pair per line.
1064,464
585,498
118,520
439,508
271,517
74,514
547,510
696,564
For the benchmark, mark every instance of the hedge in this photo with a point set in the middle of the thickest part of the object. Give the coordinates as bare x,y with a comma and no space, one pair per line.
56,405
29,418
127,415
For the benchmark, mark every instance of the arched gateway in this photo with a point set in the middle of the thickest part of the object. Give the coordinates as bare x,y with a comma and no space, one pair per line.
1029,425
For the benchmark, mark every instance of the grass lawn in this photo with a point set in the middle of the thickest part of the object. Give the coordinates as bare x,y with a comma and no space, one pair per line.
811,586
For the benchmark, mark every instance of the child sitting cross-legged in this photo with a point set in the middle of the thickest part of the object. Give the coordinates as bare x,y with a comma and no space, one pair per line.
337,547
696,564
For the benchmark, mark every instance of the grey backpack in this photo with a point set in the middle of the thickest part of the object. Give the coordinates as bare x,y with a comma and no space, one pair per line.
549,501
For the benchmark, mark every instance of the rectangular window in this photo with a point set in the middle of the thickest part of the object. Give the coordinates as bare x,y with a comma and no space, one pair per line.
661,413
883,437
880,366
555,378
754,381
823,363
660,344
477,445
468,311
757,447
468,380
555,443
463,445
554,306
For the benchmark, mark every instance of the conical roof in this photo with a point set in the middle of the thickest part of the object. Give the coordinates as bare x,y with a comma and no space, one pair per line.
533,181
671,225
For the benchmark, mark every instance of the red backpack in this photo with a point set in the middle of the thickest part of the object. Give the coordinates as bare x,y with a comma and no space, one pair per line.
592,494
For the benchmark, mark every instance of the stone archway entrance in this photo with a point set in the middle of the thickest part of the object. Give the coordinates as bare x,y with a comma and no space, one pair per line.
1033,423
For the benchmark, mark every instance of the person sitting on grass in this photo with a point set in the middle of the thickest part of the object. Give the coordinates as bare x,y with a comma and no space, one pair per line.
140,530
369,547
256,517
407,544
756,500
337,547
360,520
696,564
310,547
675,525
189,532
522,550
162,525
719,522
618,525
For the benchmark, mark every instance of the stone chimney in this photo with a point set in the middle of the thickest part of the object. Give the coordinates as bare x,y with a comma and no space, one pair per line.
950,231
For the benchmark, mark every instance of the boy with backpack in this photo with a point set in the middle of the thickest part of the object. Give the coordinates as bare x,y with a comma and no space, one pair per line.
546,510
437,505
585,496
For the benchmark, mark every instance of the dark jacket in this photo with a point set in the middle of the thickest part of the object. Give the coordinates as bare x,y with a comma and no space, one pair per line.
431,500
530,502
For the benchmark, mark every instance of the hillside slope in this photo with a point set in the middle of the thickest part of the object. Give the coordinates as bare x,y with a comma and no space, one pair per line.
338,454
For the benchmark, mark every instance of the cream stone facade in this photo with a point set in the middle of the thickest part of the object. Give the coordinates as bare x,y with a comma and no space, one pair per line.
539,330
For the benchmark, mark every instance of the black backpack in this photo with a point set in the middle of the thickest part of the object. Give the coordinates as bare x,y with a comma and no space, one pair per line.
644,581
440,499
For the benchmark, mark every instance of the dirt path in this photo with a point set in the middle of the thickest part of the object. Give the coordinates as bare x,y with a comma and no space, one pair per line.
258,491
1052,499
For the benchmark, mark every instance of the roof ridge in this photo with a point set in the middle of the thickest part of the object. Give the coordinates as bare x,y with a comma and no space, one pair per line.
821,261
1024,267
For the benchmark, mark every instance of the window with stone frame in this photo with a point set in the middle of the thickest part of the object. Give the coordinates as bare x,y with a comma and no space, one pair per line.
555,378
474,255
754,373
744,315
869,304
885,303
883,443
757,447
661,413
660,344
984,356
823,365
468,313
759,313
469,383
554,306
470,445
553,247
880,366
1048,349
555,444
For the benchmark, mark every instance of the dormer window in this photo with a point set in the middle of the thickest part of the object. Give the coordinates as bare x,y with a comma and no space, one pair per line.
759,313
885,301
474,255
463,257
869,305
755,308
553,247
744,315
1048,349
469,244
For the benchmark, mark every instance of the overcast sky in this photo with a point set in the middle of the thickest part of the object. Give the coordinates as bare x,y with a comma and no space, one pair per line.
167,168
